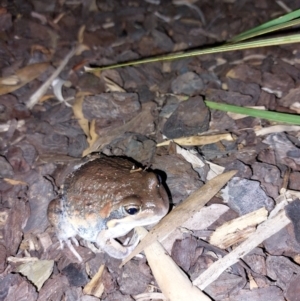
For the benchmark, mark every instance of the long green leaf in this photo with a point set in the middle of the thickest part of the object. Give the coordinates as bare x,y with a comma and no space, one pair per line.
227,47
269,115
245,35
283,19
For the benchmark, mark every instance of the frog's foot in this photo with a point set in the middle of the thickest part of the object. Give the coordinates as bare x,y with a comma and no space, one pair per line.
114,248
75,241
70,246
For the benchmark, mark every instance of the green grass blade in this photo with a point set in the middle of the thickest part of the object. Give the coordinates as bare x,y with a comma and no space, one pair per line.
283,19
226,47
245,36
269,115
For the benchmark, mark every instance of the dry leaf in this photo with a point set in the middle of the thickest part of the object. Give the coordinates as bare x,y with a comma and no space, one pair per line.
214,170
57,86
46,97
193,158
95,287
198,221
21,259
172,281
182,212
252,282
40,48
80,34
14,182
81,48
237,229
149,296
11,80
263,231
22,77
112,86
77,110
92,140
277,129
37,271
198,140
35,97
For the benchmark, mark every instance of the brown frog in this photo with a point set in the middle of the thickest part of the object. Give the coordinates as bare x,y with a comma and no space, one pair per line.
104,198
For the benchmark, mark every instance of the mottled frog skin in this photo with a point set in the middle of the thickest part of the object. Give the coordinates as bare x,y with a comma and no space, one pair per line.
104,198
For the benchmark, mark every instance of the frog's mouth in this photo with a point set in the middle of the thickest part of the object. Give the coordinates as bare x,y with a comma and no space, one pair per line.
114,248
120,227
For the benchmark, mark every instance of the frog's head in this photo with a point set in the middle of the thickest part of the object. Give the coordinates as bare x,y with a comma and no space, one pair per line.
144,202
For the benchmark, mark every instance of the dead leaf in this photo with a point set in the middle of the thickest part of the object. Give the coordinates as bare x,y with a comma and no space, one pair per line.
22,77
77,110
38,94
95,287
198,140
112,86
11,80
40,48
263,231
88,128
238,229
182,212
80,34
37,271
197,162
46,97
172,281
277,129
198,221
21,259
14,182
92,140
81,48
252,282
57,86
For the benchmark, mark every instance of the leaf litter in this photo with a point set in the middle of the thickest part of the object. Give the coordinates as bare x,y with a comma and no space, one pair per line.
37,143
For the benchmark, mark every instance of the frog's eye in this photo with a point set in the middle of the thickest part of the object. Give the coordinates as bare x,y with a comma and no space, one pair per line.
159,179
132,210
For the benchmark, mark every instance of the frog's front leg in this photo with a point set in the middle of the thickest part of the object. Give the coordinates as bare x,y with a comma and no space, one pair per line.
114,248
58,219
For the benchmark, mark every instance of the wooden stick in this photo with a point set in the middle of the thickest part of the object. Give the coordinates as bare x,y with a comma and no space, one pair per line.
34,99
264,231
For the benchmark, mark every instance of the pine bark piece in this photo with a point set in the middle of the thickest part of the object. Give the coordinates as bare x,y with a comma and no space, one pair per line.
190,118
293,211
260,294
293,289
16,287
144,121
245,196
